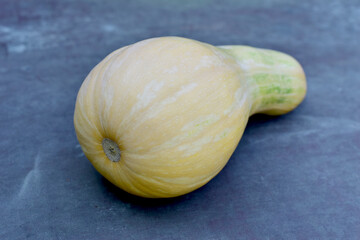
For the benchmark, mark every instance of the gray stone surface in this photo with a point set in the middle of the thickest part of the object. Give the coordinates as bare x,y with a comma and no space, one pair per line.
292,177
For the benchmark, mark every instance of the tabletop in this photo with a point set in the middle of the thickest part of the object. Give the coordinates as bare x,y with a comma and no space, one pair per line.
295,176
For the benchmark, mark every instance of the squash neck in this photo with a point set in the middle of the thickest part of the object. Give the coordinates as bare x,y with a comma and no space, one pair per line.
276,81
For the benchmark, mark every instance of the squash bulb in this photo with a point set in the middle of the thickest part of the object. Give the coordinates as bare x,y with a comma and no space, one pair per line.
160,118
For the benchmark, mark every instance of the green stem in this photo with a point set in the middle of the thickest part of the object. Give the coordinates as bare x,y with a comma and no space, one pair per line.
276,80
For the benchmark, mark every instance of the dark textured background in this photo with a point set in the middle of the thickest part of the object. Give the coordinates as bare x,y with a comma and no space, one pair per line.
292,177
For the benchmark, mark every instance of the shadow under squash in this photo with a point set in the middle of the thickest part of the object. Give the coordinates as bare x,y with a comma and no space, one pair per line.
120,195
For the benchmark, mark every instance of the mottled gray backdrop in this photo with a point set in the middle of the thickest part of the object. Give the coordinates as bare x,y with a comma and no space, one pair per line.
292,177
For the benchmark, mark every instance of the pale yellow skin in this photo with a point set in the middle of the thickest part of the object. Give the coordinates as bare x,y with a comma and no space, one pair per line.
177,109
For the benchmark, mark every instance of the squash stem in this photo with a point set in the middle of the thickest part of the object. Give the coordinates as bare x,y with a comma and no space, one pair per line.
111,149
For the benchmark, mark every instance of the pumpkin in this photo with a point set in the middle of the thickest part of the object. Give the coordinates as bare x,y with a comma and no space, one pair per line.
161,117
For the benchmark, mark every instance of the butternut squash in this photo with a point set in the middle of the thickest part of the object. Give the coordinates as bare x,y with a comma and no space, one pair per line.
161,117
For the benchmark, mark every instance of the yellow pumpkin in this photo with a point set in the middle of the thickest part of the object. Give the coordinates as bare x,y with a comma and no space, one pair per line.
160,118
